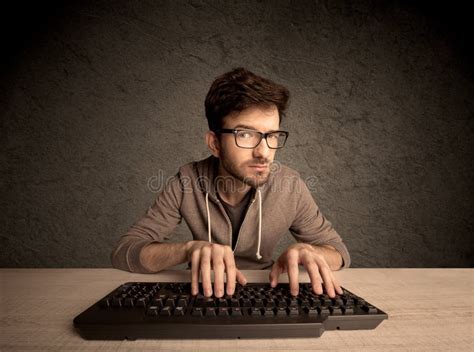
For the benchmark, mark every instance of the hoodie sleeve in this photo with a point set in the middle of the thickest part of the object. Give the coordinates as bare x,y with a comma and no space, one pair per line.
155,227
310,225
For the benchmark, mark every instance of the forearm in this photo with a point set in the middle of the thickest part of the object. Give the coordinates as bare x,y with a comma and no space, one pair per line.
159,256
332,256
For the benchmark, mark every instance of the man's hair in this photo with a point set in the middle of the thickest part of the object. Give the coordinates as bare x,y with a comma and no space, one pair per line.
238,90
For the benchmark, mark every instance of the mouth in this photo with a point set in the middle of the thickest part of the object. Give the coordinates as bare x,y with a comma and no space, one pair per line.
259,167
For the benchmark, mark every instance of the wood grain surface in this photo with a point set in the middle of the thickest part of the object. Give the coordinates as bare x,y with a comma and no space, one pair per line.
429,310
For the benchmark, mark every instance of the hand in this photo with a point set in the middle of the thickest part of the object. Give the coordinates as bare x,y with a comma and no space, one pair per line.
204,257
314,263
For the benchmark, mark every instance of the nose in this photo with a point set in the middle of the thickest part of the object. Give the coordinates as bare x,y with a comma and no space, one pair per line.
261,151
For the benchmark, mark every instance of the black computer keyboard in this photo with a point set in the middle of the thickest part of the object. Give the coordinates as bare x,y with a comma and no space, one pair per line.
147,310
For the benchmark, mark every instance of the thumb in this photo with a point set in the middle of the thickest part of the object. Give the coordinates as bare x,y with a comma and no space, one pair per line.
241,278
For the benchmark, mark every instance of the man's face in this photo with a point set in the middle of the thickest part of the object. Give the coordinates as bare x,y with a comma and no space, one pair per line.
250,166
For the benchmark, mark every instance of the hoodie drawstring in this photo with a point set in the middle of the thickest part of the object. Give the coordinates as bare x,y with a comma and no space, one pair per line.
208,217
259,224
258,255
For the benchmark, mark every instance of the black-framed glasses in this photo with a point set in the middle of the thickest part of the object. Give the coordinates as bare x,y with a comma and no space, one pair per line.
250,139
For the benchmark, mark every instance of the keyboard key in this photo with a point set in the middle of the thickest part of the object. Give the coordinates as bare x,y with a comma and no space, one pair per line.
270,304
245,303
348,310
369,309
293,303
141,302
152,311
222,302
223,311
170,302
128,302
327,302
269,312
179,311
169,286
211,312
166,311
209,302
255,311
323,310
157,302
197,312
294,311
236,311
344,298
186,297
200,302
182,303
116,302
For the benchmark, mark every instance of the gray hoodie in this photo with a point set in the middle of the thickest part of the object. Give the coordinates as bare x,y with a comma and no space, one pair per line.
283,203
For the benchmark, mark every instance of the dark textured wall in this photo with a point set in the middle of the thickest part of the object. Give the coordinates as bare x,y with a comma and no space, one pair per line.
101,101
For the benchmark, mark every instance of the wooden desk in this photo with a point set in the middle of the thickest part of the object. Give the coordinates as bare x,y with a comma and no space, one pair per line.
429,310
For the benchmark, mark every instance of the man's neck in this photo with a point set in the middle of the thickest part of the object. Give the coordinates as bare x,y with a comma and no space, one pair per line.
234,193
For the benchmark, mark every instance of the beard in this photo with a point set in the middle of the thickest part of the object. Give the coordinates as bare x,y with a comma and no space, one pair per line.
254,179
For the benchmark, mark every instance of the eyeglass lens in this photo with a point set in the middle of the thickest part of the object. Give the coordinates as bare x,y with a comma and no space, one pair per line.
250,139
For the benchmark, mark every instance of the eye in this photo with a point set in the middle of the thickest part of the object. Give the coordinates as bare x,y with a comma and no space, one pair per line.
244,134
276,135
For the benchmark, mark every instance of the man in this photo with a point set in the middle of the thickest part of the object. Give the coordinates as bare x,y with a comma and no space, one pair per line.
238,202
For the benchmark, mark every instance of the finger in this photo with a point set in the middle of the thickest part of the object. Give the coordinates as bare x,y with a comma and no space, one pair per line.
206,270
195,258
275,274
326,274
241,278
230,269
293,272
337,286
218,268
313,272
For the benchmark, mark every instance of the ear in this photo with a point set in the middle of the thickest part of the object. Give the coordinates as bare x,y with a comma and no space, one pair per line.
213,143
